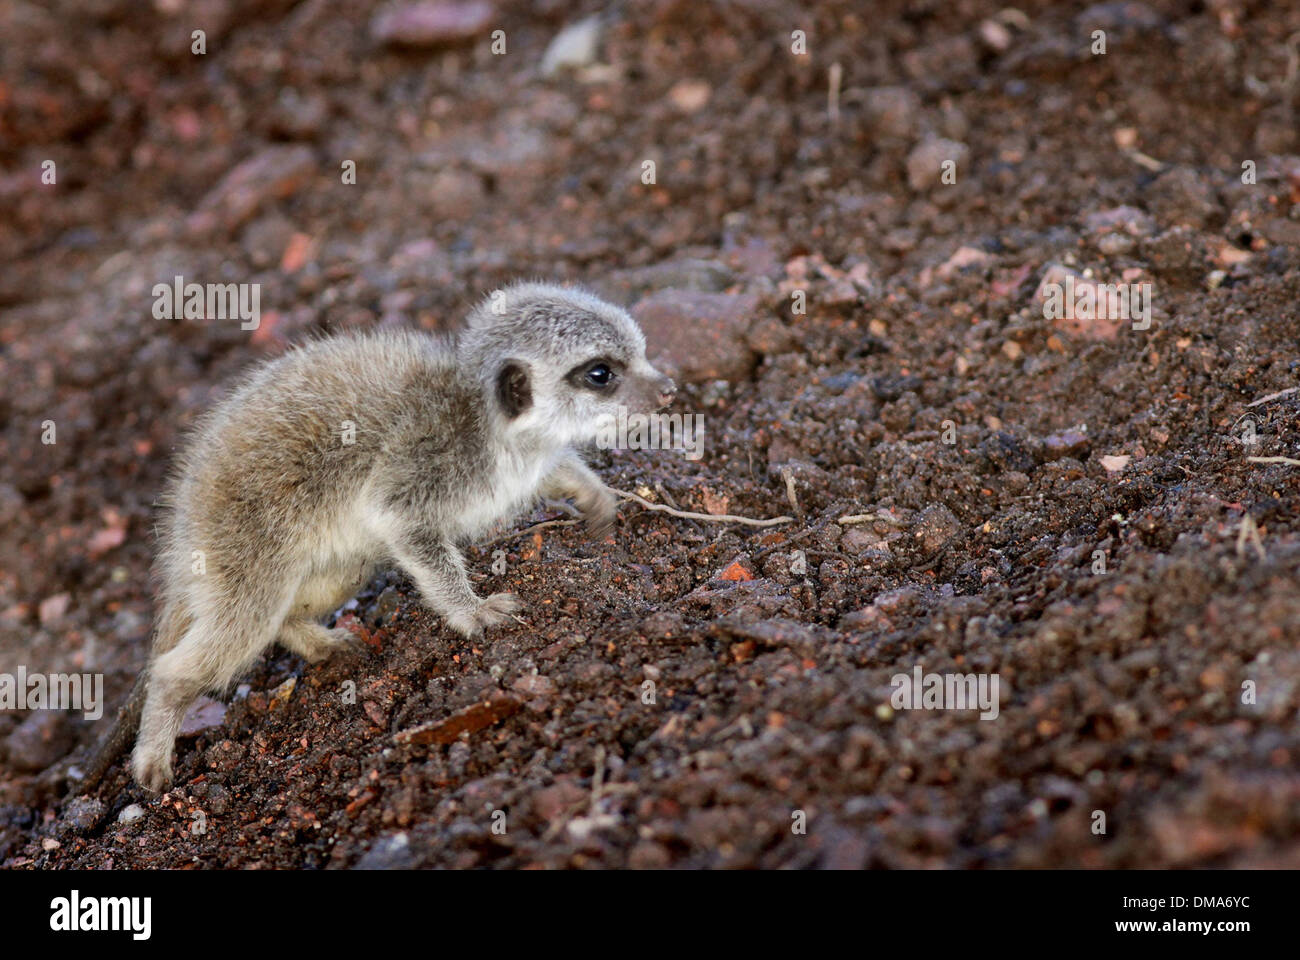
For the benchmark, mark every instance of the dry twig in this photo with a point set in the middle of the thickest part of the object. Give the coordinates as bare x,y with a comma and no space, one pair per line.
1273,396
706,517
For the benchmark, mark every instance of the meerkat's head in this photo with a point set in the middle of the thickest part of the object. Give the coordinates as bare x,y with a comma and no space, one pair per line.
561,360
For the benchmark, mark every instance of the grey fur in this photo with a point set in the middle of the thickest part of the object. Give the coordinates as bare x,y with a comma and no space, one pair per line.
272,521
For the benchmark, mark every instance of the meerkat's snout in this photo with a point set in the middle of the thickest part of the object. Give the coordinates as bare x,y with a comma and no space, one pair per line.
356,451
661,392
646,390
666,391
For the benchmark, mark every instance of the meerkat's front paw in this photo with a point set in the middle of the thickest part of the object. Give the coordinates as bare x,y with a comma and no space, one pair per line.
490,611
498,608
151,770
599,512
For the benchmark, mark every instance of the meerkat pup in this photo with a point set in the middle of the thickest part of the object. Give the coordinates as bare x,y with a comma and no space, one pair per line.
353,452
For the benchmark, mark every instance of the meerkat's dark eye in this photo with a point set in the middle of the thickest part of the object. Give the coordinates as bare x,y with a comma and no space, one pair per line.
598,376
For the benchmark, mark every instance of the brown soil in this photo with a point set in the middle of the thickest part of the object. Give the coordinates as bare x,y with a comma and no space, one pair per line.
1144,638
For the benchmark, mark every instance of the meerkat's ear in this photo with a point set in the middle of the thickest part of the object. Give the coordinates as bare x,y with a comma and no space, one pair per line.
514,391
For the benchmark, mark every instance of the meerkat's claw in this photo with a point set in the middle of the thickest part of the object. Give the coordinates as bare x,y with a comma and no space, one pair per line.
151,771
497,609
489,612
600,527
600,514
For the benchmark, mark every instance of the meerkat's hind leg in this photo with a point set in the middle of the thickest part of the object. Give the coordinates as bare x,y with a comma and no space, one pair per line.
317,596
215,649
170,692
315,642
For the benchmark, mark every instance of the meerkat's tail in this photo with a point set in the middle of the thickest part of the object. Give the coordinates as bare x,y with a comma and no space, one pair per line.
119,737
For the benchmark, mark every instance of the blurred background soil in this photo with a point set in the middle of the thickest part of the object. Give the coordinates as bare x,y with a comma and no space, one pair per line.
975,487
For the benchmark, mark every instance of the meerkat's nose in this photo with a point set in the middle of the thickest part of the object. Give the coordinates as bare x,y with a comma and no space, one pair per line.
667,390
